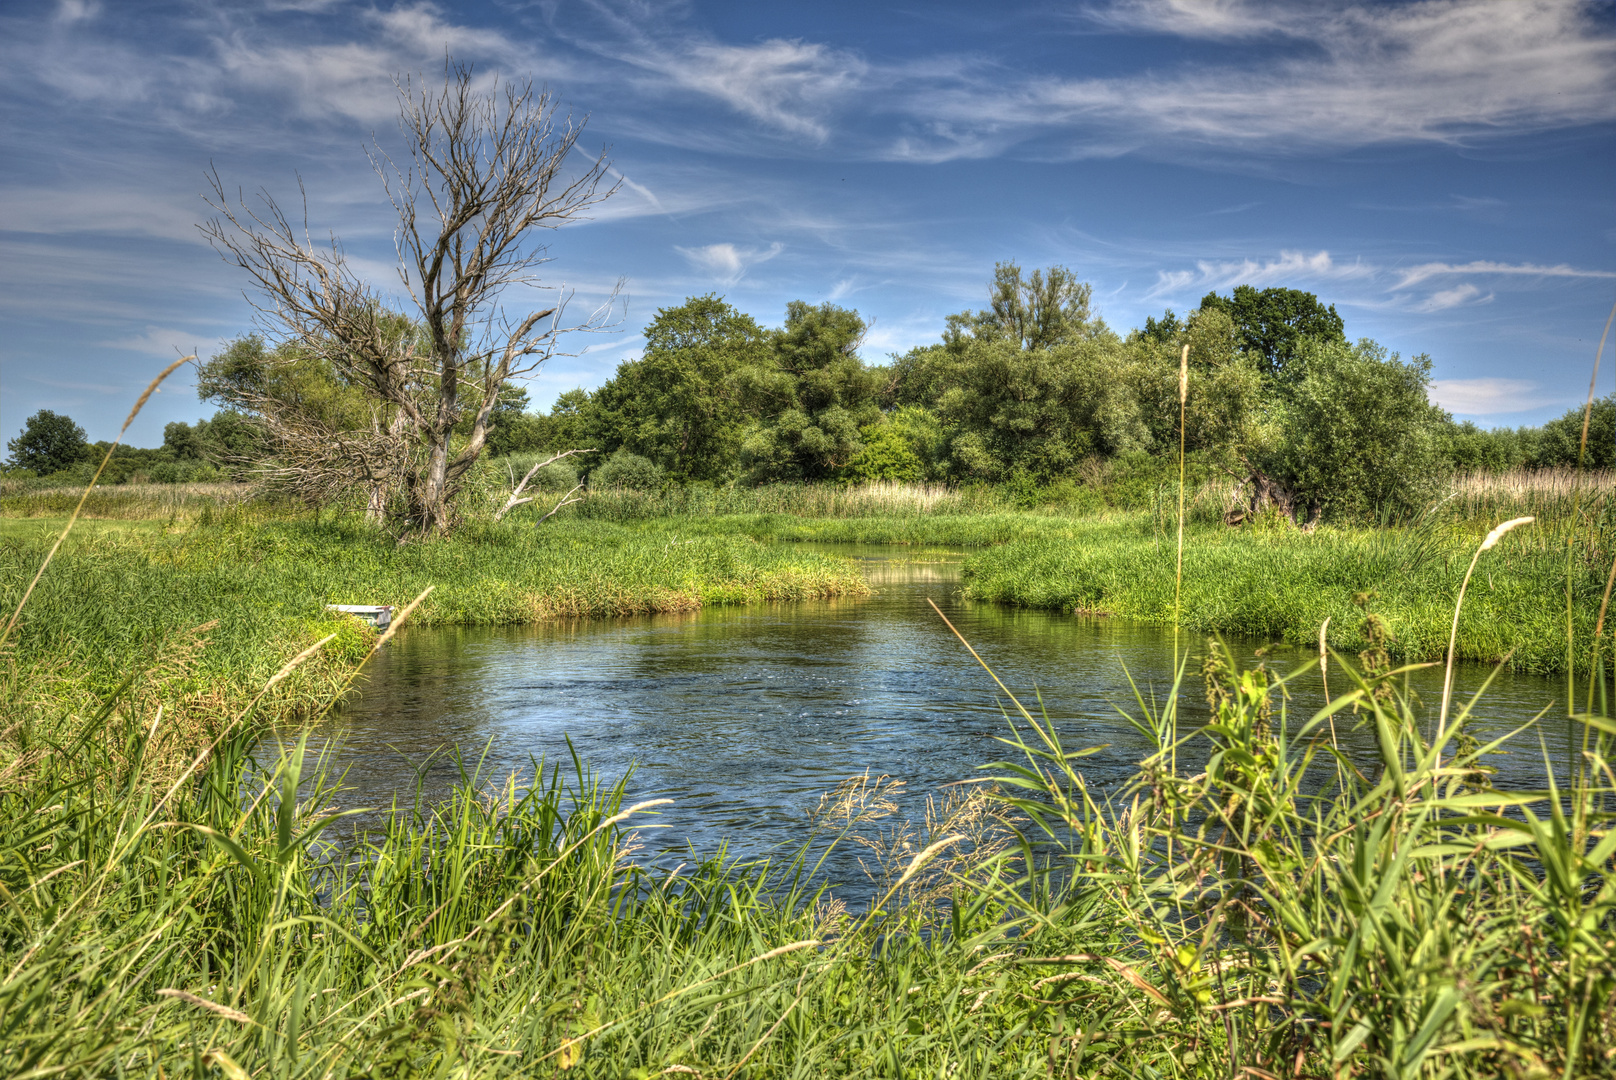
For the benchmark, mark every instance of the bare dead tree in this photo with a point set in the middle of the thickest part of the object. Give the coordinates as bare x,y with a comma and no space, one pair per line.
486,176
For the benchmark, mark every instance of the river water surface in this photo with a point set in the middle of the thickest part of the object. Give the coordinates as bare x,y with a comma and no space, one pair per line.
745,716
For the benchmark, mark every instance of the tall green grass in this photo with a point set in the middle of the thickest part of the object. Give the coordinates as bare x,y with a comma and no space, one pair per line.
1289,910
1279,583
253,593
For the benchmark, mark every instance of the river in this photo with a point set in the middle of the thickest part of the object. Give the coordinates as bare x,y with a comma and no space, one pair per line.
745,716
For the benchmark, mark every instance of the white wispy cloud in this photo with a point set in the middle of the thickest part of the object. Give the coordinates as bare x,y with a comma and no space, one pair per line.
1430,71
1212,19
72,11
114,210
794,87
1425,271
72,384
727,263
1451,298
1489,396
1289,266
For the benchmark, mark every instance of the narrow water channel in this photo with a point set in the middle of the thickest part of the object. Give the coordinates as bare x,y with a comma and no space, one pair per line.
745,716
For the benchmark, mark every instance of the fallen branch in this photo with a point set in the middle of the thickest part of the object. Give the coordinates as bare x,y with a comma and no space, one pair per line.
515,500
566,500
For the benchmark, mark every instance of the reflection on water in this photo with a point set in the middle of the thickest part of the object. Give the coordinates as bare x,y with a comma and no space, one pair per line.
746,715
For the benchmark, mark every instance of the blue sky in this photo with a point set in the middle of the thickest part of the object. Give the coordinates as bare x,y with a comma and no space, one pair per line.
1441,172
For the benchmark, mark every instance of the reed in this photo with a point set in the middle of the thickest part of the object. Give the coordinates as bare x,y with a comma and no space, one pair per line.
823,500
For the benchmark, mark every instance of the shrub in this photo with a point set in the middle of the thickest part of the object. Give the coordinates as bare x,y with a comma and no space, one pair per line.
628,471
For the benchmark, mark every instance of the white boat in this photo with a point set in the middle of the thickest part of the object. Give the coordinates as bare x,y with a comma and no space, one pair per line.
378,615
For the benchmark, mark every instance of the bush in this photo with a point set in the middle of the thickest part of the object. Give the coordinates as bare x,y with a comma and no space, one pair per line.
1361,436
886,455
626,471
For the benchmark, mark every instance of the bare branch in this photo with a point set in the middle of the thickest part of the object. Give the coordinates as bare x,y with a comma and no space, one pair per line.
513,501
566,500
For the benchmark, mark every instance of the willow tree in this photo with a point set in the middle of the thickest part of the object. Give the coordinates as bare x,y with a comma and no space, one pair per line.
487,174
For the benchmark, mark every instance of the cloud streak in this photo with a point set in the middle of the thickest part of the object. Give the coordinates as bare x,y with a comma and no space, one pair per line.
726,263
1488,396
1304,267
1425,271
1289,266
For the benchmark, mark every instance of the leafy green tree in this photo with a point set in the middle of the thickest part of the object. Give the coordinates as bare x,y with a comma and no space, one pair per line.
1029,386
1165,331
1360,434
284,386
511,428
1049,308
1472,449
1273,323
812,399
1559,442
926,435
182,442
570,424
678,405
1040,411
49,442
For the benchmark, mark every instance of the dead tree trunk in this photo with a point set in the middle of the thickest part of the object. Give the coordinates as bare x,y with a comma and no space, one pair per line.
483,180
1263,492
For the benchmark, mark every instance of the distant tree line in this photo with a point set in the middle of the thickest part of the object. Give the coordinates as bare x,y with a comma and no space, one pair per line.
1032,391
53,447
1035,390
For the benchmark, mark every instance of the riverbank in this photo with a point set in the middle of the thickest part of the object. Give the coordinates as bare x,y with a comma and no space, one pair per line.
202,615
177,928
1282,585
1270,581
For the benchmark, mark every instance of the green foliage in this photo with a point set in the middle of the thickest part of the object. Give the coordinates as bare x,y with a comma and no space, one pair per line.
885,455
558,476
1272,324
231,443
1041,411
1049,308
1559,442
812,400
1360,436
570,424
1470,449
1164,331
626,471
249,373
512,429
679,404
48,442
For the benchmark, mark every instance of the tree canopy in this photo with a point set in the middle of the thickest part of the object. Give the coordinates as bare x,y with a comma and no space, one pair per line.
679,405
49,442
1272,324
1032,389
